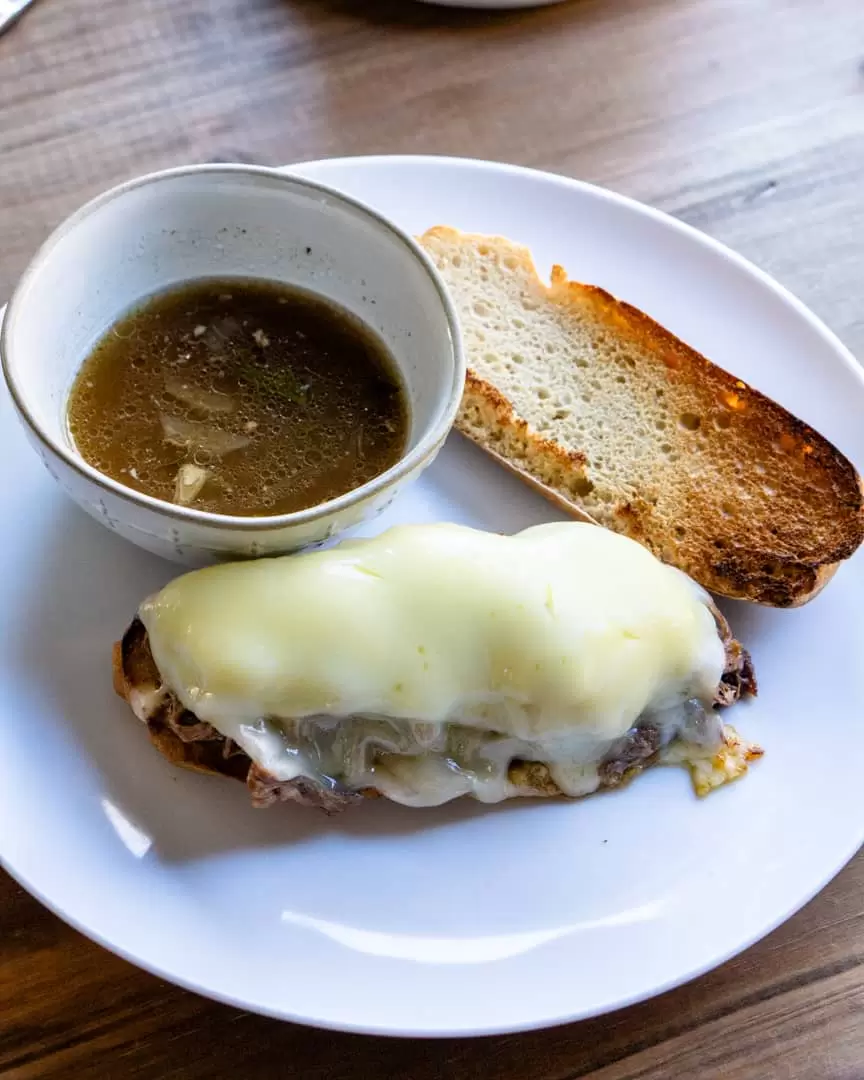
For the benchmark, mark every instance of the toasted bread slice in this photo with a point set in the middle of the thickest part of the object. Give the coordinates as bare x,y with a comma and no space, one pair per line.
613,418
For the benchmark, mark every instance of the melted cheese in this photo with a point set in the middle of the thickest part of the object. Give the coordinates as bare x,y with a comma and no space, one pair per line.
548,645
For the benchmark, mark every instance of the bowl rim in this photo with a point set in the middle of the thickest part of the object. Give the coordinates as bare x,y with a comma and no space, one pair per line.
407,462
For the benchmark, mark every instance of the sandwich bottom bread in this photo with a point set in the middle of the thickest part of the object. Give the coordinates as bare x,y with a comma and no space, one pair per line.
438,661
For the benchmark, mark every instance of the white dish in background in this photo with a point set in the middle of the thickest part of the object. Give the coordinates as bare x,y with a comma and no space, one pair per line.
464,919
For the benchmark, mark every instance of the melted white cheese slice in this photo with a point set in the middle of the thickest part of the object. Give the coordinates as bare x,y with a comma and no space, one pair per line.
560,638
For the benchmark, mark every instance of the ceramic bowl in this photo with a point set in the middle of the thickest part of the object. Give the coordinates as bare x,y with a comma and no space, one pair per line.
225,221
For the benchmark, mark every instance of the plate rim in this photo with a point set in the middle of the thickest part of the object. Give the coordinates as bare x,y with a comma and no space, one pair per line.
608,195
601,1008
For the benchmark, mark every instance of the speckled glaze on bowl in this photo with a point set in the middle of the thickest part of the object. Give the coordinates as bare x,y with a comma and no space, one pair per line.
225,221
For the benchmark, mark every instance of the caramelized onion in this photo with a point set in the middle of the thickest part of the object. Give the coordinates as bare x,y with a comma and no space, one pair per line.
193,435
195,398
187,486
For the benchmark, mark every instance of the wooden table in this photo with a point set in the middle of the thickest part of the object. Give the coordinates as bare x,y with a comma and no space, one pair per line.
744,117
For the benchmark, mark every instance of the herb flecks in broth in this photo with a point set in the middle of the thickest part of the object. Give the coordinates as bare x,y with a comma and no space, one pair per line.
239,397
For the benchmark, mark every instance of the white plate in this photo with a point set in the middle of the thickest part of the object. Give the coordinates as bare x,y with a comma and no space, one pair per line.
464,919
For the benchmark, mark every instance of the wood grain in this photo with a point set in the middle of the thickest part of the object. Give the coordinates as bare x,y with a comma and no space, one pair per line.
744,117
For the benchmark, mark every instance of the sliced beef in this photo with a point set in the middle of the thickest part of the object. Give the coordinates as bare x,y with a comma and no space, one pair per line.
633,752
738,679
267,790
